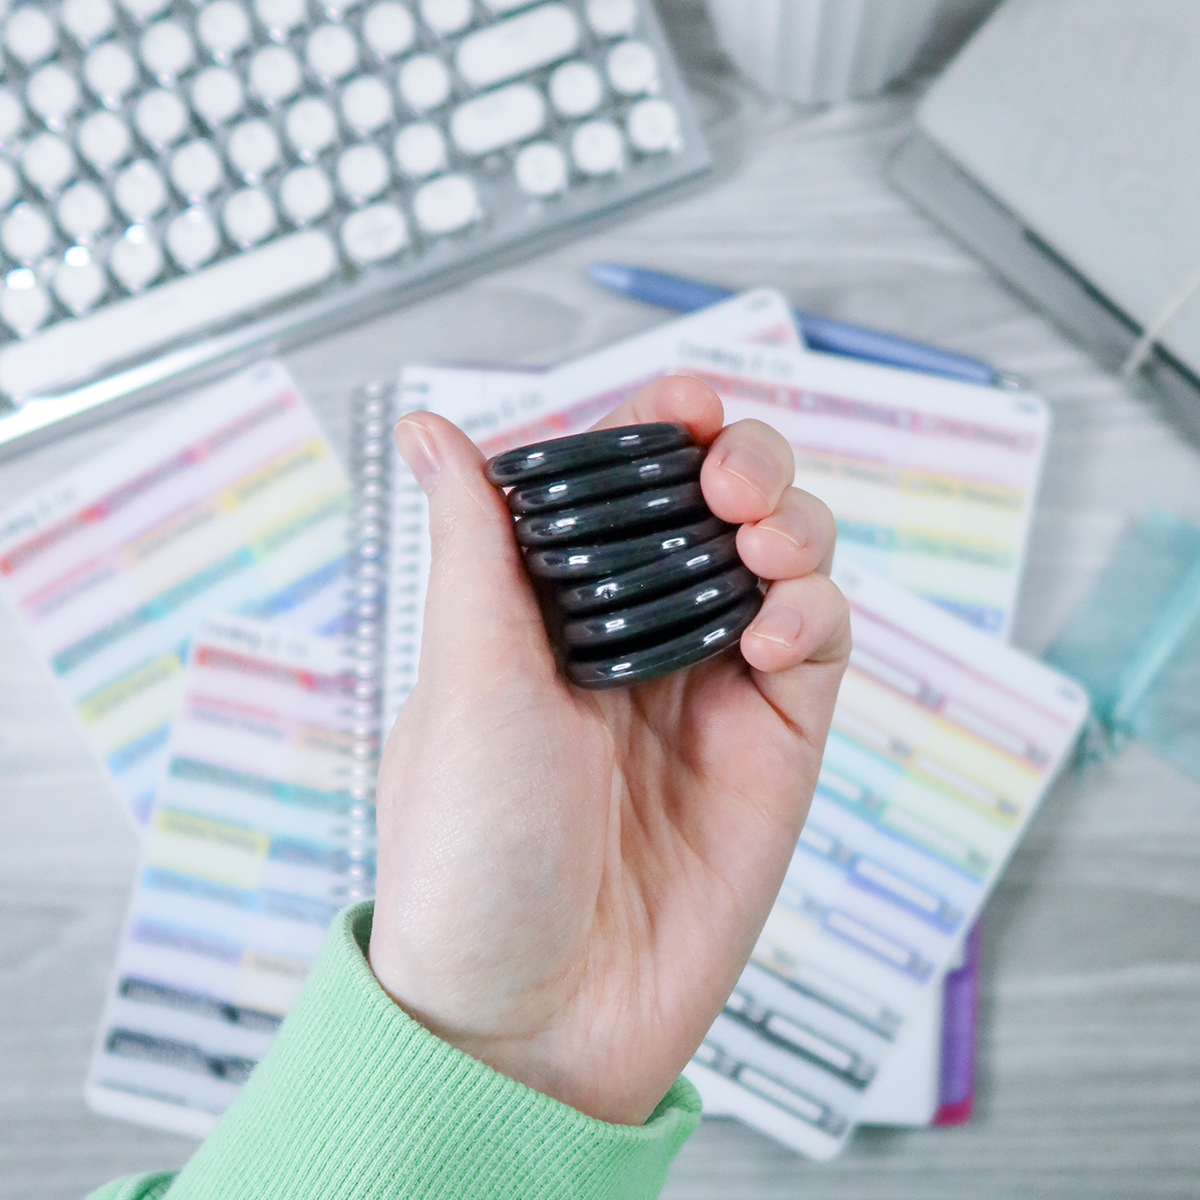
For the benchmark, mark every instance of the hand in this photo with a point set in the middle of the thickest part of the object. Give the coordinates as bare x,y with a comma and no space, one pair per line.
570,882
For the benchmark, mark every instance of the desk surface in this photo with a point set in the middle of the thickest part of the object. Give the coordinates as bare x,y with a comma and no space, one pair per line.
1089,1072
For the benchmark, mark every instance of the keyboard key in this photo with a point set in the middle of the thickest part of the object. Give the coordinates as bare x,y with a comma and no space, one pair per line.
274,75
193,238
611,18
197,170
12,116
48,162
362,173
161,118
79,281
632,68
27,234
374,234
517,46
53,94
136,259
498,118
597,148
74,350
24,304
420,150
87,21
10,185
167,51
140,191
280,17
424,82
331,52
311,127
110,72
217,96
576,89
144,11
653,126
446,16
305,195
83,212
248,216
253,149
30,35
541,169
366,104
446,205
104,140
223,29
388,29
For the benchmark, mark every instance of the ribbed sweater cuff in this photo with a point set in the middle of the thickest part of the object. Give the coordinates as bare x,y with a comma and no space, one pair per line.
356,1099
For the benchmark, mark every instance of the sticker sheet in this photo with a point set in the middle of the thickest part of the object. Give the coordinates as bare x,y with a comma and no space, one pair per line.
944,740
233,503
253,844
932,481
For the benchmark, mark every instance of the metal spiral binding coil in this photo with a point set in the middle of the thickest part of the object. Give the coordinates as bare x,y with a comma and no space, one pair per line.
366,568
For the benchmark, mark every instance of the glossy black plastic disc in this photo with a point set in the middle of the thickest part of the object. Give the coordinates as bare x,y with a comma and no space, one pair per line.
660,506
613,479
673,655
676,570
564,455
689,605
607,558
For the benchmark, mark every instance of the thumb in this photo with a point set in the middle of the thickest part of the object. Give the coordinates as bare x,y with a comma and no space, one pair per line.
482,620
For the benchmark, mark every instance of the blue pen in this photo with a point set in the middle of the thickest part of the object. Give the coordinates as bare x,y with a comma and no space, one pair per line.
819,333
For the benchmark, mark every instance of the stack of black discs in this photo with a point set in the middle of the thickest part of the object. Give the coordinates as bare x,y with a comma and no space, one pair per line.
637,577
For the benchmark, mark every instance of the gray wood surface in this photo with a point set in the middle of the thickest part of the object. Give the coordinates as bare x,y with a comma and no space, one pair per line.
1090,1050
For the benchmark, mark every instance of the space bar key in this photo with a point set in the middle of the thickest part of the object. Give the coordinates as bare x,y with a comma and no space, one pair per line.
76,350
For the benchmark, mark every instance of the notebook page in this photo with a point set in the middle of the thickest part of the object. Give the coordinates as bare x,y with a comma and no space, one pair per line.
944,741
232,503
253,845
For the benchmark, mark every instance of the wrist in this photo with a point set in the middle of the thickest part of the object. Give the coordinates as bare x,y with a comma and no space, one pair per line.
541,1056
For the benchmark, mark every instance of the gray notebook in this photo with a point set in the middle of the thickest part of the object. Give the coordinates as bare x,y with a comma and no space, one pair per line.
1060,146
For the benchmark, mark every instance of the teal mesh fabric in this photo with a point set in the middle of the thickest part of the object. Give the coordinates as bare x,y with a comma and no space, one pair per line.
1135,642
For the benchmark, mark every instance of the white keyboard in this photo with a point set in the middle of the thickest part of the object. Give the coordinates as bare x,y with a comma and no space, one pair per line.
183,181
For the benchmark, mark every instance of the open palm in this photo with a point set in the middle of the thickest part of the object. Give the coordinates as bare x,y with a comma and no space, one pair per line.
570,882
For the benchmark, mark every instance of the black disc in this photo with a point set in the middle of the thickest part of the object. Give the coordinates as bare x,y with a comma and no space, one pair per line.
597,522
683,651
665,574
612,479
564,455
608,558
687,606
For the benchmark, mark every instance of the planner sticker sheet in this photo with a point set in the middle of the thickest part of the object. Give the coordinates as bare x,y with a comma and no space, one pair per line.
944,740
499,409
254,842
233,503
932,481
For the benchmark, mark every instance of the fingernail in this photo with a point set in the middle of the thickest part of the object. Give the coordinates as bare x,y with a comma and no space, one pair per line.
778,624
796,537
749,466
417,449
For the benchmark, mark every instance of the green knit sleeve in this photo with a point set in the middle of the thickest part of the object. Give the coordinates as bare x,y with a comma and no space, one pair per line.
357,1100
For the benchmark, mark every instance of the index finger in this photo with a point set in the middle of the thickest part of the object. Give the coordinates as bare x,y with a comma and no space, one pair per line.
676,398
